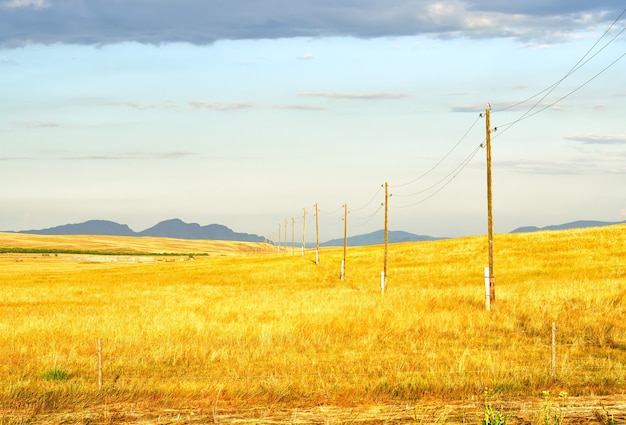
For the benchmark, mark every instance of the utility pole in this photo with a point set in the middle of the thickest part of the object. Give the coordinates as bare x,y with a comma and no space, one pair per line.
492,285
303,231
384,278
345,240
278,244
285,244
317,235
293,236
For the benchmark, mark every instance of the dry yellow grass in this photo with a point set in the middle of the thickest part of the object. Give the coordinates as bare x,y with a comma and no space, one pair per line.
261,329
143,244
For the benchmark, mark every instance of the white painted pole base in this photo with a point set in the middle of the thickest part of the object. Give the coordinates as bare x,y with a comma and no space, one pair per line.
487,291
382,282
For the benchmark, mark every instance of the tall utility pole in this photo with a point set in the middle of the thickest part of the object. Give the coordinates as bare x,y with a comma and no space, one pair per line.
293,235
317,235
492,285
384,279
345,240
303,231
285,245
278,244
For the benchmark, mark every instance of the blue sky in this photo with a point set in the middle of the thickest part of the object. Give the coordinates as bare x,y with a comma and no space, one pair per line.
244,113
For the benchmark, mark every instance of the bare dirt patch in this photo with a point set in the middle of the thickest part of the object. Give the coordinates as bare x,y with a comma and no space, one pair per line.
581,410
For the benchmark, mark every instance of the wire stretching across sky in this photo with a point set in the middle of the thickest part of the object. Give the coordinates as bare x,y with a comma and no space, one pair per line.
442,159
527,115
444,181
578,65
532,111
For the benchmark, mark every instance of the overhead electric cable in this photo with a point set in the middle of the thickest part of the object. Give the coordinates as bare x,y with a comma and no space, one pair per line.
368,202
368,219
573,69
443,179
459,169
525,116
442,159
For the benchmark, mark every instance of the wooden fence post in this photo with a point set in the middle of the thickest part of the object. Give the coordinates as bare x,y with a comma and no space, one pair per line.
553,351
99,364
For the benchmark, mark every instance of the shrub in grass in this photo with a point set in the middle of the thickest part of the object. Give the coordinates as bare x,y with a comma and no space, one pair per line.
551,414
55,374
492,416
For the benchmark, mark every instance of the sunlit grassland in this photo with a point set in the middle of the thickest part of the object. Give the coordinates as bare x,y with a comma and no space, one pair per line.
262,327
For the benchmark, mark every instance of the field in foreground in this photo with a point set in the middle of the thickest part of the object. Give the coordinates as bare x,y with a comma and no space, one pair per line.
259,336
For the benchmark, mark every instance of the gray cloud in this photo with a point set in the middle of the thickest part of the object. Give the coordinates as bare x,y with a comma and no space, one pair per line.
501,106
38,124
134,156
598,139
296,107
100,22
216,106
563,167
355,96
142,106
106,156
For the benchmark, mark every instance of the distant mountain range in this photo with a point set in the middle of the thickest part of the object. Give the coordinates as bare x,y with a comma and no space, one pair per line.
178,229
173,228
378,237
572,225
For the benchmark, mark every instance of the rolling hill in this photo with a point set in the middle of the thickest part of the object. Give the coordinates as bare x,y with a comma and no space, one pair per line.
378,237
173,228
580,224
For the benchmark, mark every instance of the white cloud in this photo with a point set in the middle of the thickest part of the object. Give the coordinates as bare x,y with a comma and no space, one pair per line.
216,106
598,139
355,96
38,124
34,4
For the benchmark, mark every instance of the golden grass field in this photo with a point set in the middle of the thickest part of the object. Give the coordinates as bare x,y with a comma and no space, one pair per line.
243,334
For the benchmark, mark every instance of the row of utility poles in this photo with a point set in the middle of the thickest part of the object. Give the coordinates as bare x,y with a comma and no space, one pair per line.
490,293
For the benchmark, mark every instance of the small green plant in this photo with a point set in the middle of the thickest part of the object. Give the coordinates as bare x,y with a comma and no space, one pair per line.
492,416
55,374
551,414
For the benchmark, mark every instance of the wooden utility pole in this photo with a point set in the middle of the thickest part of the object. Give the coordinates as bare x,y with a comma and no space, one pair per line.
317,235
384,279
345,240
303,231
293,236
285,244
492,285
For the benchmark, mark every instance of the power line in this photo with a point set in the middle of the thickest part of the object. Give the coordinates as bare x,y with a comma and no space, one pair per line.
371,216
450,177
527,115
370,201
572,70
554,85
444,157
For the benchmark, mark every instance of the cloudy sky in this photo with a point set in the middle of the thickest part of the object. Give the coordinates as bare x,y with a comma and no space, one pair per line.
246,112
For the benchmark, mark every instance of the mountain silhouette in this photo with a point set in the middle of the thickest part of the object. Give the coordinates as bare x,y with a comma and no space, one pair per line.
580,224
173,228
378,237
